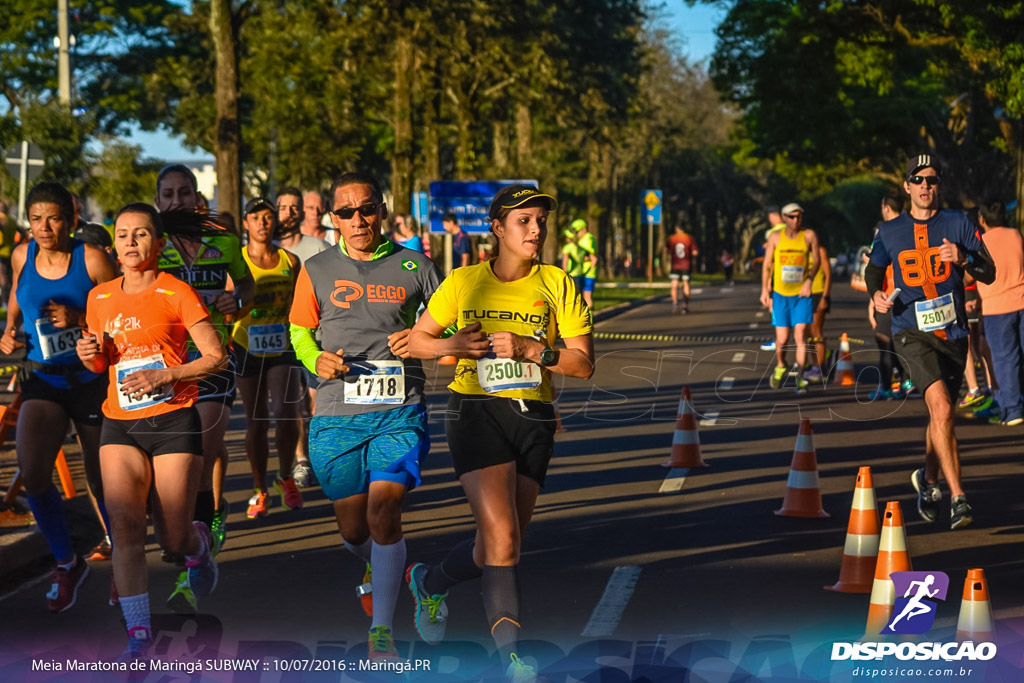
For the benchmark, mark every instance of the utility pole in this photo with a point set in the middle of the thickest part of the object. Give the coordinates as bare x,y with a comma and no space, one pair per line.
63,54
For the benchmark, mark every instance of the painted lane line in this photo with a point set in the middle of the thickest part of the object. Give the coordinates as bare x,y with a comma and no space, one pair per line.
605,618
753,325
738,357
674,480
759,314
710,418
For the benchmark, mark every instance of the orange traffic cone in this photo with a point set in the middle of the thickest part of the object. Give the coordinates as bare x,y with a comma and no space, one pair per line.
892,557
844,368
860,554
803,496
685,441
447,360
975,621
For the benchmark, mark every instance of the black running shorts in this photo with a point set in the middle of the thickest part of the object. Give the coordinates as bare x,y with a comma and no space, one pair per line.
82,402
248,365
490,430
930,359
180,431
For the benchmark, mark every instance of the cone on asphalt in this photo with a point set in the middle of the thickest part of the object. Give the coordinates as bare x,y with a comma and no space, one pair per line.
892,557
844,368
803,494
975,622
860,554
685,441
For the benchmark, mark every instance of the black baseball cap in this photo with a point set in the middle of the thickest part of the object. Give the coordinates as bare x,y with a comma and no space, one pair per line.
259,204
919,161
516,195
94,234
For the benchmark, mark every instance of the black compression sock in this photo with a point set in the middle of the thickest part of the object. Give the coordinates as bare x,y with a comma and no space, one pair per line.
501,603
457,567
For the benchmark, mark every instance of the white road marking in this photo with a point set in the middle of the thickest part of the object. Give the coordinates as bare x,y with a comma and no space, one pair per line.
752,326
674,480
738,357
759,314
727,382
698,290
606,615
710,418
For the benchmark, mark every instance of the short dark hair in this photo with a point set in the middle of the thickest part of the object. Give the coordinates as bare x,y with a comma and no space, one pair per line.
771,208
149,210
894,200
54,193
450,218
177,168
290,191
94,234
356,178
994,213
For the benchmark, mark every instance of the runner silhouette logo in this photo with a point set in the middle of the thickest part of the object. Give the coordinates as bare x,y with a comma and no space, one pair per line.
915,606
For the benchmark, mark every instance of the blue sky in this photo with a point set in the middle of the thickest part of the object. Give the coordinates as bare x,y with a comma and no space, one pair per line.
693,25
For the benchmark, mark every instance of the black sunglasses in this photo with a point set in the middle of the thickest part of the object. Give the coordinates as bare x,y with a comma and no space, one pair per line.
364,210
930,179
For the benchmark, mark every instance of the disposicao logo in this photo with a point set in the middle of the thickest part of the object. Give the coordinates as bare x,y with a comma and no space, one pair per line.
915,611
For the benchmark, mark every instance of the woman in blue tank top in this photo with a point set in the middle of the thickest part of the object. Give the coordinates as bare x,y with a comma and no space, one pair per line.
53,274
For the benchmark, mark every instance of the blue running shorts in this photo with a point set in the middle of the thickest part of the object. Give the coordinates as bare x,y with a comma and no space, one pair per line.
789,311
348,452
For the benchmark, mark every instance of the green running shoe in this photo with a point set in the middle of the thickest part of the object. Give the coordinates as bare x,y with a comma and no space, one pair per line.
518,672
182,600
780,374
381,644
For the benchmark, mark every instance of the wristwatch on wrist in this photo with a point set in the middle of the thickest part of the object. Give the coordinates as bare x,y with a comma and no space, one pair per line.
548,357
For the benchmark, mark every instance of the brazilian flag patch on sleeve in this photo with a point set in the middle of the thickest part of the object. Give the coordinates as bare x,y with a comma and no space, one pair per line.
410,265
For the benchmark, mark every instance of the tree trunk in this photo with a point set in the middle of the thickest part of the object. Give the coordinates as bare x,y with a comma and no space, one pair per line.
524,141
499,145
226,150
402,162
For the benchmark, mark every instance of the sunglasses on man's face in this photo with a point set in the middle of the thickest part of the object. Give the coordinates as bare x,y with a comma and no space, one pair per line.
918,179
349,211
791,216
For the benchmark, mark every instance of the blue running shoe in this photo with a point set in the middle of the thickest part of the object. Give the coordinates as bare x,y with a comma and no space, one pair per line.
431,610
202,571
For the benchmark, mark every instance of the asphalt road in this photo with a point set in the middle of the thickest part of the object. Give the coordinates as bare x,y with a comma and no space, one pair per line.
623,577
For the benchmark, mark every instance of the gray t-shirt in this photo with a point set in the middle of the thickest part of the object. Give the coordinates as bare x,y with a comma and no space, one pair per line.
355,306
307,247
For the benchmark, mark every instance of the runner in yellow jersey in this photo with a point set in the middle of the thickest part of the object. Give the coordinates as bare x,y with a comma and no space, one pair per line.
509,311
265,363
786,289
821,300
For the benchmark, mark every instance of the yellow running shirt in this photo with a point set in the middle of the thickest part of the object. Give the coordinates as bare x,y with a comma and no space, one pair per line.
263,330
791,263
545,304
818,284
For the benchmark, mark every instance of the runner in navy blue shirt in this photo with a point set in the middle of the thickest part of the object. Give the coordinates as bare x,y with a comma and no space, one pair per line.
929,251
462,246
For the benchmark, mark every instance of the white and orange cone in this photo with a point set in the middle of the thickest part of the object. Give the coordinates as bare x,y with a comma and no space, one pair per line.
860,554
686,440
975,622
844,368
892,557
803,493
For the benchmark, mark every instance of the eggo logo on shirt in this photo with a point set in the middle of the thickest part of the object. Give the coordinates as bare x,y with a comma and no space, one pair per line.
346,291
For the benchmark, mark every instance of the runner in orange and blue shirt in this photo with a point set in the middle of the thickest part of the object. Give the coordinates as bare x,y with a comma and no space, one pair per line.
930,250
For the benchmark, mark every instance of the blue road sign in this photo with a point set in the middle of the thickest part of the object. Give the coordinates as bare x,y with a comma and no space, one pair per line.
420,208
652,206
468,200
